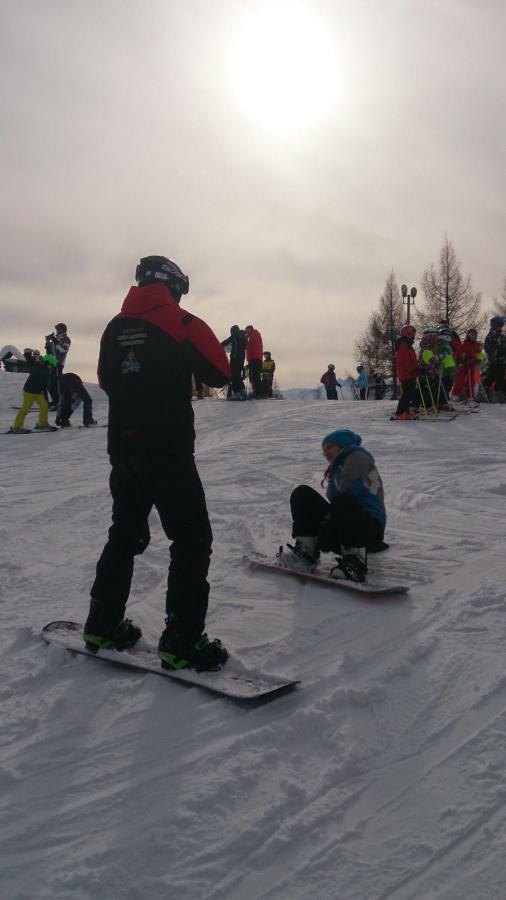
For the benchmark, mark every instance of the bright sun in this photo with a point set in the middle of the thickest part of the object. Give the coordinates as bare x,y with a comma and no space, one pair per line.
283,67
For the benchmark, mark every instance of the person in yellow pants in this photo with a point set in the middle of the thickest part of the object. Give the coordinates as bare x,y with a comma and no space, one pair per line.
34,391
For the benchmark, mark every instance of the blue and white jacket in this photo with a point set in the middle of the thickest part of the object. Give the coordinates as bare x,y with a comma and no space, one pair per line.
354,471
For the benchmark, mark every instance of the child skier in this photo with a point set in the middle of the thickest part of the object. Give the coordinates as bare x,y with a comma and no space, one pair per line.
353,517
35,391
407,371
268,369
469,358
445,367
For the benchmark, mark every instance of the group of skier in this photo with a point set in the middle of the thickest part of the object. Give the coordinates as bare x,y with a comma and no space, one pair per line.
48,388
361,385
247,354
447,369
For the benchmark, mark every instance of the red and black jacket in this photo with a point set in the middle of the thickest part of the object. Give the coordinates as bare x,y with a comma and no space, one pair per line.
148,353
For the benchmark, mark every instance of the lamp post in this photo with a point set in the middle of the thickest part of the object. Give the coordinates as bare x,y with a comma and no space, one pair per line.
408,298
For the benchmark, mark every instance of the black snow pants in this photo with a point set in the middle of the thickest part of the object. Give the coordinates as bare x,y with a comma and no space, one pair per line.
172,485
68,401
409,395
342,523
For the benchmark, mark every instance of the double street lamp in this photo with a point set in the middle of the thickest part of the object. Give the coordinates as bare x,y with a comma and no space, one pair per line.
408,298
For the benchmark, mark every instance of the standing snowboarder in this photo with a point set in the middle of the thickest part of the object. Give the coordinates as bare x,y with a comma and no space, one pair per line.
147,355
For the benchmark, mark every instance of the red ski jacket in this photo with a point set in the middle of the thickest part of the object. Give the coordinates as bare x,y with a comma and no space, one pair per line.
466,353
254,347
406,361
148,353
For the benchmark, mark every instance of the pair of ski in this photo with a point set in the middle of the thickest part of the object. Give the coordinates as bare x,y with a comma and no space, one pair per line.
233,680
428,417
53,430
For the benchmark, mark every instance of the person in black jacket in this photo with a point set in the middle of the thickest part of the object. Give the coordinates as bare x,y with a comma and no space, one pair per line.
72,394
236,344
35,391
148,353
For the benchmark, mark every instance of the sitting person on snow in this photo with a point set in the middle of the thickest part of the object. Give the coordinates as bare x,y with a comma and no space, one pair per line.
72,394
351,520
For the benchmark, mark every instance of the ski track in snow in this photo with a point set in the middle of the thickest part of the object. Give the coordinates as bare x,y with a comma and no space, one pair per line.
380,778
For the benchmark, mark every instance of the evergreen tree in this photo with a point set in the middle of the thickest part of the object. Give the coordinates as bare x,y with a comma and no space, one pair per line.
375,349
449,295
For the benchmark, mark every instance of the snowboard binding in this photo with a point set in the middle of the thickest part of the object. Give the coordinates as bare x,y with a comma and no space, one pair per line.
352,567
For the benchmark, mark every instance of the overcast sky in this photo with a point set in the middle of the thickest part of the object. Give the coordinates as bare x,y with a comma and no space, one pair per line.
287,156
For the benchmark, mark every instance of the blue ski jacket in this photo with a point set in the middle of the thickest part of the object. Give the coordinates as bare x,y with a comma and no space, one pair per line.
354,471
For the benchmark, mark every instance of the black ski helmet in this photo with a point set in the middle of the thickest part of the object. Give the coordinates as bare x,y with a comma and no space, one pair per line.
60,327
156,269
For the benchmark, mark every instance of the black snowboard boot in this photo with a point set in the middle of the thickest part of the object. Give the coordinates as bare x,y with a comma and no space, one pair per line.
101,634
196,652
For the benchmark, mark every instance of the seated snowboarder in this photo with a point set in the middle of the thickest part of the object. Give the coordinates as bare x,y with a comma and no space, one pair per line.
353,517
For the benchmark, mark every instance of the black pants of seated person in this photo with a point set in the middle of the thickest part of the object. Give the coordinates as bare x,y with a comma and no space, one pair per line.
347,526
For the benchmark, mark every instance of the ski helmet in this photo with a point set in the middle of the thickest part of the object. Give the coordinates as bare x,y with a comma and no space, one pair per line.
156,269
471,333
497,321
331,366
60,327
408,331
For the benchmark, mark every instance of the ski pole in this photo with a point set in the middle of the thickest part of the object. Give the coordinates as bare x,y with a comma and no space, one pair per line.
419,386
470,385
431,395
440,383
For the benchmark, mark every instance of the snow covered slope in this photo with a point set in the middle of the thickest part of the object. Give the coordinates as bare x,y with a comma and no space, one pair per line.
382,776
